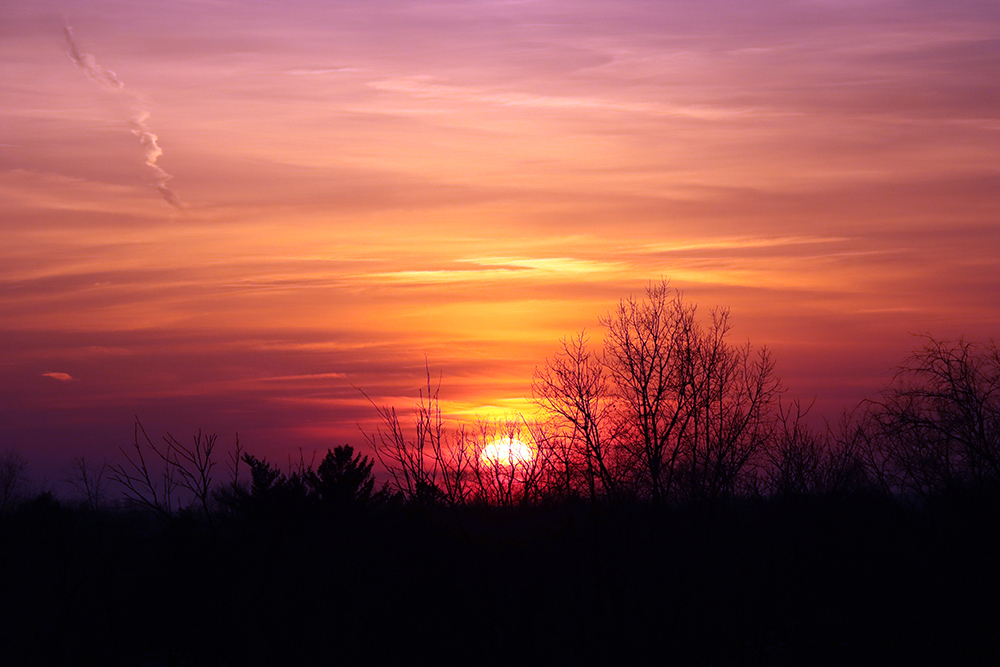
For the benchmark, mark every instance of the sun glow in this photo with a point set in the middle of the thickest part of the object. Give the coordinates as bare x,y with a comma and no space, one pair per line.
507,452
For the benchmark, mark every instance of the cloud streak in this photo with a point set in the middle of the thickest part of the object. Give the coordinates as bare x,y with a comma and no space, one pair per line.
110,82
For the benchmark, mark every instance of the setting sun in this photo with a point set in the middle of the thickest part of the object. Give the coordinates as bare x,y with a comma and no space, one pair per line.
507,452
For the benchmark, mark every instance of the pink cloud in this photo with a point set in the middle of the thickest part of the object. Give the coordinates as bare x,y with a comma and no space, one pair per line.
62,377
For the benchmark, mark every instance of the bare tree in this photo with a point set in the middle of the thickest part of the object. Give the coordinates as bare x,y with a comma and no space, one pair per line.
152,476
13,479
845,466
233,464
667,409
801,461
573,388
141,484
937,426
426,467
91,482
194,465
502,472
465,465
649,352
734,394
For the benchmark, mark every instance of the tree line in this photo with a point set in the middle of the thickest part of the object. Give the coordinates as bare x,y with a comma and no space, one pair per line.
675,511
667,409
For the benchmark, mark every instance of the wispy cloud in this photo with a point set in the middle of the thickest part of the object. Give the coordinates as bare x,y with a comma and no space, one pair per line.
149,141
741,243
62,377
554,265
469,270
320,71
426,87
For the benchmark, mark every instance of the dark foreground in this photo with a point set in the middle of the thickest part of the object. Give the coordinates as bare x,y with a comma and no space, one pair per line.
803,581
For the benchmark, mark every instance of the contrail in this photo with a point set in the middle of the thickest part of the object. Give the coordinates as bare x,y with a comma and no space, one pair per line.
110,82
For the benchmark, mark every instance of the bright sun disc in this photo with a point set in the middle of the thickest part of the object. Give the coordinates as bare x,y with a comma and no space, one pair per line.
507,452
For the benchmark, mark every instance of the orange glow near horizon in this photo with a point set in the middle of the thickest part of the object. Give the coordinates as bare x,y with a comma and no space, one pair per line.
369,191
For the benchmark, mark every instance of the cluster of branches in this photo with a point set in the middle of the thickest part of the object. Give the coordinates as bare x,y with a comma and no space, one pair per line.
13,479
433,466
934,431
163,478
173,476
936,428
667,409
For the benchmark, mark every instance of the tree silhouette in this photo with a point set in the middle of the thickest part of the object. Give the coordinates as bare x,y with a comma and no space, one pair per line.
802,462
669,408
155,477
344,480
936,428
425,468
90,481
574,389
271,493
650,349
735,393
13,479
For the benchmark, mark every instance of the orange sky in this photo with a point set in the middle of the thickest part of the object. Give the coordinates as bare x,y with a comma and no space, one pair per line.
362,186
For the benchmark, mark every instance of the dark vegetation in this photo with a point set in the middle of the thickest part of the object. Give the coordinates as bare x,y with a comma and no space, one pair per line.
676,512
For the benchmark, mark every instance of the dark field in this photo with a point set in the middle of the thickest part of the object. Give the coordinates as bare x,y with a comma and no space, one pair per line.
851,580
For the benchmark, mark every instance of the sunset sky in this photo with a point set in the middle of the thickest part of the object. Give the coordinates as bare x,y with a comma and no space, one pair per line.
235,215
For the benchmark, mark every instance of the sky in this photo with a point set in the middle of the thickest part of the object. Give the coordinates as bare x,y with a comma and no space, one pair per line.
237,215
